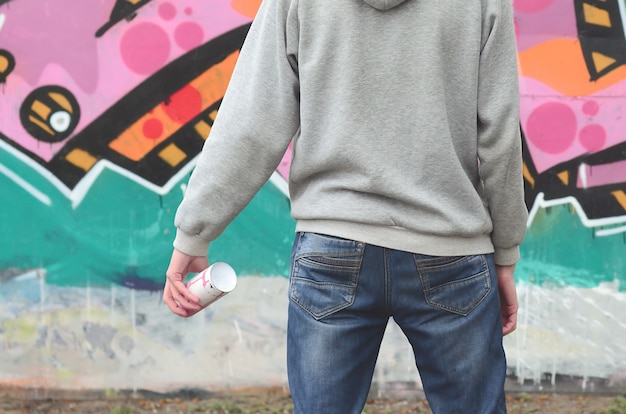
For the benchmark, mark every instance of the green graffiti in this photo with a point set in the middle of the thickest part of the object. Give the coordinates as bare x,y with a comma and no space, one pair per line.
259,240
122,232
559,250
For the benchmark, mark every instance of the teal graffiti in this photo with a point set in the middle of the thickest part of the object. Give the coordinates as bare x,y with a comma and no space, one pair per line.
122,232
560,250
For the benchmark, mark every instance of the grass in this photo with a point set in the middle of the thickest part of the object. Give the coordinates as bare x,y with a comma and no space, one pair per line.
522,403
122,410
280,403
616,407
235,407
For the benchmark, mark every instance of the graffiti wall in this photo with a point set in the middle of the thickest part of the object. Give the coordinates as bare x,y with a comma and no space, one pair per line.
104,107
573,276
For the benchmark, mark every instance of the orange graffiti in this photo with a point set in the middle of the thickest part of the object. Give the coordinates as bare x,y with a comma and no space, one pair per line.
135,144
559,64
246,7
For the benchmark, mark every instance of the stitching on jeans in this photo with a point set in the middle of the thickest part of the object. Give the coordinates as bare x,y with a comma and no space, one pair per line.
387,268
351,266
427,289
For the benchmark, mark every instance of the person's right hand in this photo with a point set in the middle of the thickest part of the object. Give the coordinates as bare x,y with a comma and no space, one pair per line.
508,298
175,294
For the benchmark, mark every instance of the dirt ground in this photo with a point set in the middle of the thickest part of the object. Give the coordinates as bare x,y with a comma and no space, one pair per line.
278,402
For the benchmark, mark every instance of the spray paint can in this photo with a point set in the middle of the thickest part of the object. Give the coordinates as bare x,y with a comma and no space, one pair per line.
213,283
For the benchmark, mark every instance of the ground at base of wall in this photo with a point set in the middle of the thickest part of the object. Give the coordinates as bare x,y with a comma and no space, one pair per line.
278,402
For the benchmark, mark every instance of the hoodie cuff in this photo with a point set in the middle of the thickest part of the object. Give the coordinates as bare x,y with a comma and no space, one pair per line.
191,244
506,257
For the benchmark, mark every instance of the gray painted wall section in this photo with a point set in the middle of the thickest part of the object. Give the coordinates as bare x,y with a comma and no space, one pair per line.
122,339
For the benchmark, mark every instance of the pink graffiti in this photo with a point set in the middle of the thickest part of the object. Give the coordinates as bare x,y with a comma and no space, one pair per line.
593,137
145,48
60,33
599,175
539,20
552,127
188,35
559,128
56,45
591,108
167,11
285,164
531,6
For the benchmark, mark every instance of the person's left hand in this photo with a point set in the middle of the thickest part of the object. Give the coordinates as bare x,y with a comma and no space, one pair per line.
175,294
508,298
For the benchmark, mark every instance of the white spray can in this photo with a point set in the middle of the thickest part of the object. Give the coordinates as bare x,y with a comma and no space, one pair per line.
213,283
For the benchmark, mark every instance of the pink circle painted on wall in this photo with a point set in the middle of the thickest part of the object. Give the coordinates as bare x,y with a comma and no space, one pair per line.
591,108
145,48
167,11
592,137
552,127
188,35
531,6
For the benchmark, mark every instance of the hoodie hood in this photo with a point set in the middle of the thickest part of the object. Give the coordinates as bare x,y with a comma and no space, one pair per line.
384,4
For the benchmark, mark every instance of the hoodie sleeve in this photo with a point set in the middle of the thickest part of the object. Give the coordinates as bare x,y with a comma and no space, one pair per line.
499,140
256,121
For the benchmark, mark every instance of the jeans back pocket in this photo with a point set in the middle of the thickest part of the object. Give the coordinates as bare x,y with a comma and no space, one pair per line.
324,273
454,284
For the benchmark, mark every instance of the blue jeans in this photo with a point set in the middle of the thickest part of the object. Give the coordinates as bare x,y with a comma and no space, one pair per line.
342,294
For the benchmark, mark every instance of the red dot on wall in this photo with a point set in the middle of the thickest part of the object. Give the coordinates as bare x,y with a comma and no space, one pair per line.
184,105
152,128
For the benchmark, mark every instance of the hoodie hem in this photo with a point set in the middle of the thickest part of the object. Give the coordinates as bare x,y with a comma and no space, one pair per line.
399,238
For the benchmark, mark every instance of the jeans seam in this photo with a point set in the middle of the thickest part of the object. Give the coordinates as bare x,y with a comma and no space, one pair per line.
387,268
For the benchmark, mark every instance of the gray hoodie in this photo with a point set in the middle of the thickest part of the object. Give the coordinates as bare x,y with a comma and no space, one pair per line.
384,4
404,120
